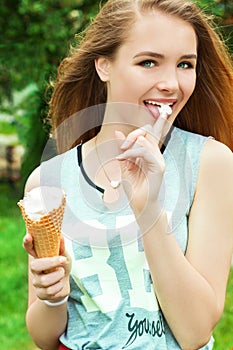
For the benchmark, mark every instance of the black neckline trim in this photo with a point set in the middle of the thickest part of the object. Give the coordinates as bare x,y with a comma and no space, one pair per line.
80,163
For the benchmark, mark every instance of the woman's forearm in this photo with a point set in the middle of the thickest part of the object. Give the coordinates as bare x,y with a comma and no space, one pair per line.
186,298
46,323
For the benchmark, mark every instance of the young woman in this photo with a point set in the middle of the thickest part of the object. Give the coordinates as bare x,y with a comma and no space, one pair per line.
142,115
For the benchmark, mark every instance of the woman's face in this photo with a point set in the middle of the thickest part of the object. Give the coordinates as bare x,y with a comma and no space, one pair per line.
156,65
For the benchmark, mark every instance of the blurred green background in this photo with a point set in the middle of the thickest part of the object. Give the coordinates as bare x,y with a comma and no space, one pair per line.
34,37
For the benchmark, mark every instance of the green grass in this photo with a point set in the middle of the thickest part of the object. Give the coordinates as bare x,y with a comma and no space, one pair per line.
13,285
224,330
13,275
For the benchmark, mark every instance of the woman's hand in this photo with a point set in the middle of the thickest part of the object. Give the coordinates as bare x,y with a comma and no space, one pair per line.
142,164
50,276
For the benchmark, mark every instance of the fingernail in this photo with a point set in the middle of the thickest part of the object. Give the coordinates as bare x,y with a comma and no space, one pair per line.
62,259
120,156
26,237
125,144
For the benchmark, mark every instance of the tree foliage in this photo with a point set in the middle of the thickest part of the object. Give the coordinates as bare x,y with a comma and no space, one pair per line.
223,12
37,35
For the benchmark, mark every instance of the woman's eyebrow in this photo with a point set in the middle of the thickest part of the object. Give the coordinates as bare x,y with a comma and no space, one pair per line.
149,53
160,56
190,56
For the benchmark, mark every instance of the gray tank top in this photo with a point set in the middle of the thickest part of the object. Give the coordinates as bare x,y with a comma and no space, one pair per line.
112,304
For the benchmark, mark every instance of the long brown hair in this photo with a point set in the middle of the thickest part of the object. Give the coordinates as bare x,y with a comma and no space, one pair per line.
209,109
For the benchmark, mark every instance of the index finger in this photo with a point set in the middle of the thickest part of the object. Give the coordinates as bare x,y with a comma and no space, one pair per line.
133,136
161,128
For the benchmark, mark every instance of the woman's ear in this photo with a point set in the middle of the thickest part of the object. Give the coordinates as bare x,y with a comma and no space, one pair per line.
102,66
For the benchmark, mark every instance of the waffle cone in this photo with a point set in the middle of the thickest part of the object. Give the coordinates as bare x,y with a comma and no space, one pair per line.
46,231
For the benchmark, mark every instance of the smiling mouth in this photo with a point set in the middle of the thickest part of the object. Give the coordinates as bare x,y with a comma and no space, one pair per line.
158,104
158,108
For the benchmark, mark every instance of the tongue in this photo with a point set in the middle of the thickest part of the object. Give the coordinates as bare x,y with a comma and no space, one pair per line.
154,110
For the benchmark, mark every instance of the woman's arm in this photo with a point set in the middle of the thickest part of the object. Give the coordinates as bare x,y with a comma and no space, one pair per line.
191,288
46,323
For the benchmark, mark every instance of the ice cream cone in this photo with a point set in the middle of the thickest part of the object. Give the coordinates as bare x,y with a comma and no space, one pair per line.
46,231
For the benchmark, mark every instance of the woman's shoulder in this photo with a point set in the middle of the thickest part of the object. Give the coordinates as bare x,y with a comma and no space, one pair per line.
217,154
216,168
33,180
48,169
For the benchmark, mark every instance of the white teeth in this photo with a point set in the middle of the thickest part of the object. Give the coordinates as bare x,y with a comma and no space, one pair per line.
152,103
159,104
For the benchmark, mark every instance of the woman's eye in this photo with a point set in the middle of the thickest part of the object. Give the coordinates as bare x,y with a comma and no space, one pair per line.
185,65
147,64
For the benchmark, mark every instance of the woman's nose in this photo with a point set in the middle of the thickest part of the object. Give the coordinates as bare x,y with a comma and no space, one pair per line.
168,81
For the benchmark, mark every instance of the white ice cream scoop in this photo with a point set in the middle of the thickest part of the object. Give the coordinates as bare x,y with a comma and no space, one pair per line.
41,200
165,110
